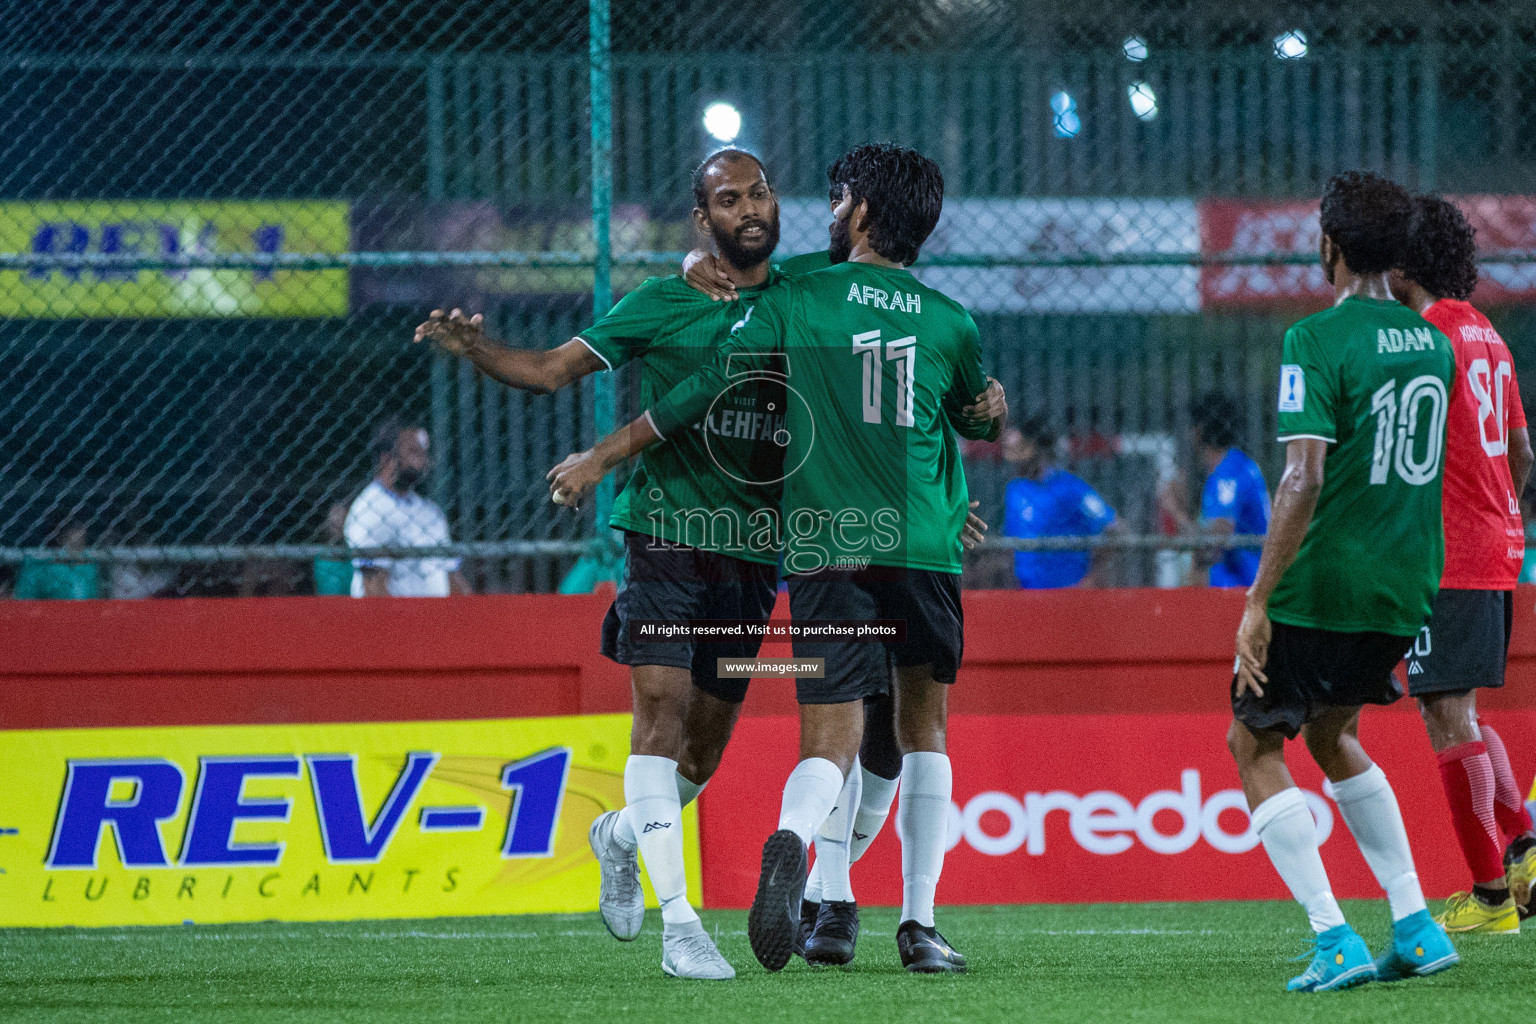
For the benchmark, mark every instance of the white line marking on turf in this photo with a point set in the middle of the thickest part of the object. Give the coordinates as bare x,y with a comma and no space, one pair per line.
1125,931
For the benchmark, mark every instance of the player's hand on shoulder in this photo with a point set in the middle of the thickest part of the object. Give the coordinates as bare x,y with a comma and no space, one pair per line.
1253,635
990,405
453,332
703,272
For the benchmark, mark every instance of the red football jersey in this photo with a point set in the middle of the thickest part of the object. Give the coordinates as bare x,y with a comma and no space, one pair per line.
1484,537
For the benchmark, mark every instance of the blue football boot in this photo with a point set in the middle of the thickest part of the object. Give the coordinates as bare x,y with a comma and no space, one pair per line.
1419,947
1340,960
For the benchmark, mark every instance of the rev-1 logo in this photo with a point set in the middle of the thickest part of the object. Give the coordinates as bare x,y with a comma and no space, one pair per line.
89,808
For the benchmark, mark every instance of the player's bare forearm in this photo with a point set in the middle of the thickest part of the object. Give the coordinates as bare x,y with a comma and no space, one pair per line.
536,371
1295,501
570,481
1520,458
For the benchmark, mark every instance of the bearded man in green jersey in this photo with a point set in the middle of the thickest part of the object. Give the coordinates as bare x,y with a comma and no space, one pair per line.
829,913
875,364
679,565
1349,569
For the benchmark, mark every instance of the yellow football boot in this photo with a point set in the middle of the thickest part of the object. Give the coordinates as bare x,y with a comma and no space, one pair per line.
1521,874
1464,913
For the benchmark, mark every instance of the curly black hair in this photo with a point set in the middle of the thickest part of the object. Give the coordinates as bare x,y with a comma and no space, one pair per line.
905,192
837,177
700,193
1369,218
1442,252
1215,416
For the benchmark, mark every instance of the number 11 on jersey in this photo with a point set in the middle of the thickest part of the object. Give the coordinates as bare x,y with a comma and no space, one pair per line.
903,353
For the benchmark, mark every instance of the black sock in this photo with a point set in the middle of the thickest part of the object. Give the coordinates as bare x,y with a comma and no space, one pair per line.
1519,848
1490,895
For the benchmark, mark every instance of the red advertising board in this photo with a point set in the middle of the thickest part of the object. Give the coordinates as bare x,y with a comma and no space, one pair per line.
1085,707
1231,227
1091,808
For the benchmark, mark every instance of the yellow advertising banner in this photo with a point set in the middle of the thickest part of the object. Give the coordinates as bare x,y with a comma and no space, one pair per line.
129,228
308,822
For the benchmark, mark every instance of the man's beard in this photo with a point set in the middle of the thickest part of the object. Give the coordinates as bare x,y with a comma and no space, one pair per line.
407,478
840,245
746,255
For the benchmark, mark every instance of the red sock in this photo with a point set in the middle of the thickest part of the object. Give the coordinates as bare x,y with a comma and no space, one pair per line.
1508,808
1467,775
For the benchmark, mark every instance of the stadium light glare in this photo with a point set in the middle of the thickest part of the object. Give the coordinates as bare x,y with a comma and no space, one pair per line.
1291,45
722,121
1143,100
1065,121
1135,48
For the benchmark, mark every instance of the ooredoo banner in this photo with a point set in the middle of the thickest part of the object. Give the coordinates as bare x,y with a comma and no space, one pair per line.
1244,228
1098,808
307,822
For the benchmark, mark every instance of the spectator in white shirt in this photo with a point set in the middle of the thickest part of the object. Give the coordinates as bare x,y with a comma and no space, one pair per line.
389,513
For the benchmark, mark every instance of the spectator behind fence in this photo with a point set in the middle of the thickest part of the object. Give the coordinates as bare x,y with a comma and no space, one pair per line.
1047,501
333,576
1233,500
60,581
389,513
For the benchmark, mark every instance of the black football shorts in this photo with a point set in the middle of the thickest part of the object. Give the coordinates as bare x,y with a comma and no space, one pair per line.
1464,644
928,602
674,583
1313,670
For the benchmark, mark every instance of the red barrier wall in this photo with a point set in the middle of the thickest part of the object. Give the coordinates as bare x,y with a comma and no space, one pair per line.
1038,668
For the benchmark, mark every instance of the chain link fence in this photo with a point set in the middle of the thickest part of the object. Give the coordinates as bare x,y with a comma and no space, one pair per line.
221,219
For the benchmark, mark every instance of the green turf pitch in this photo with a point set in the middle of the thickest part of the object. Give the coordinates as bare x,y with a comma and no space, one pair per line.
1142,962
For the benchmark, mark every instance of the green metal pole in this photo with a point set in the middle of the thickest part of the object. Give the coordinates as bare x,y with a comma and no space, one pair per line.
601,67
441,483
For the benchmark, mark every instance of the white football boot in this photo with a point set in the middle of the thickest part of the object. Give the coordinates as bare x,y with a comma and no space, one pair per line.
619,897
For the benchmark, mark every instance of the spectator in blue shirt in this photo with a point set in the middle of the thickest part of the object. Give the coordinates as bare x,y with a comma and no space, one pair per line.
1047,501
1234,499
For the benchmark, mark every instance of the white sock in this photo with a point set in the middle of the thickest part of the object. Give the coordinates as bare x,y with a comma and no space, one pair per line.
813,882
687,793
1289,834
922,821
1370,810
809,796
656,817
875,801
832,841
877,793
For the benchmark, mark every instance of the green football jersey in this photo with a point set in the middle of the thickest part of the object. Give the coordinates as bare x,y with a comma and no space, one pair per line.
715,486
805,263
1372,378
877,366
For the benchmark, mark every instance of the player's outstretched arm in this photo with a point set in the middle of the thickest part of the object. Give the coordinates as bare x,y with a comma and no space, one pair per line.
686,404
570,481
538,371
1295,501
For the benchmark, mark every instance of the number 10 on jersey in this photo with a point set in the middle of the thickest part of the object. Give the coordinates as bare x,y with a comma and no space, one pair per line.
1401,423
900,351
